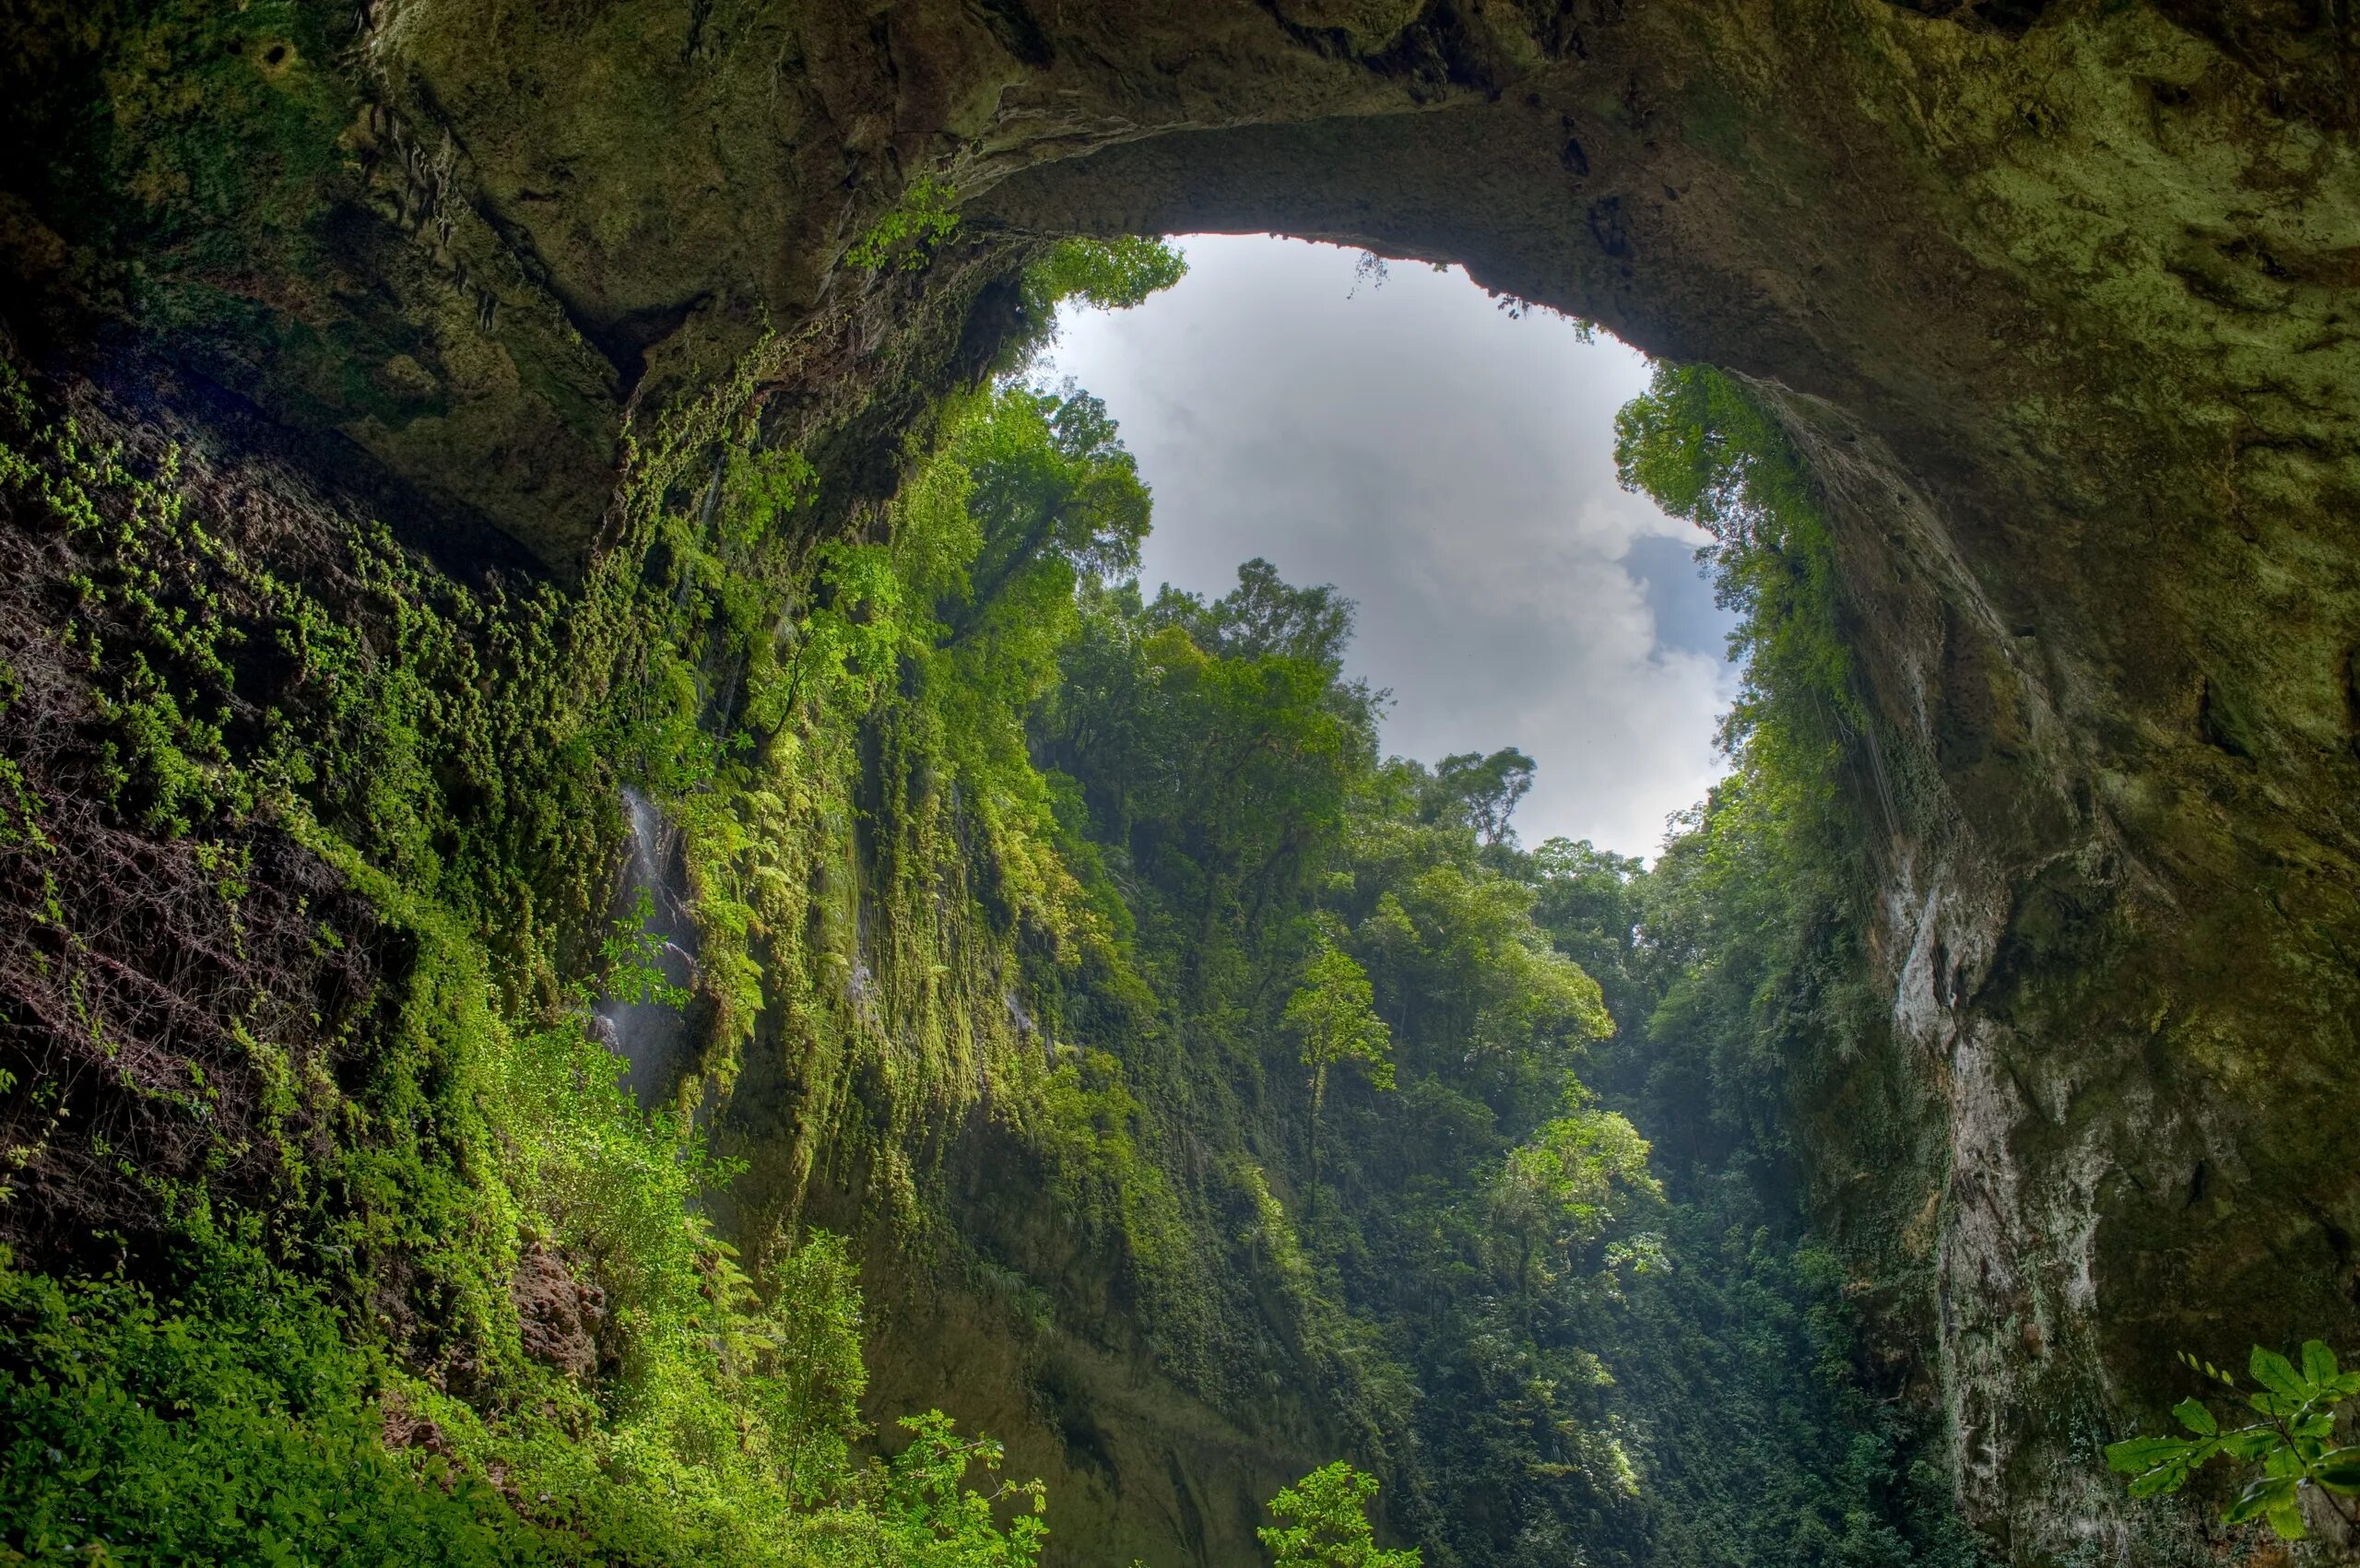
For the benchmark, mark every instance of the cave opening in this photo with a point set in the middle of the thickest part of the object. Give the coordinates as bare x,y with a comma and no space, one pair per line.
1444,456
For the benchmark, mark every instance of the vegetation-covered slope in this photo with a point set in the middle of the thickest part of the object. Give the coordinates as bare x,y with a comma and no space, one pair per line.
1074,952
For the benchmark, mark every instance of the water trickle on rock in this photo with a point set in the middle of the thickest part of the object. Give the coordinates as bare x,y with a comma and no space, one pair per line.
650,1036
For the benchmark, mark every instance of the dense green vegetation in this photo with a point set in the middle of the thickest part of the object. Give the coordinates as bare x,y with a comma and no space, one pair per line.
318,1343
1473,1151
1778,1437
365,1243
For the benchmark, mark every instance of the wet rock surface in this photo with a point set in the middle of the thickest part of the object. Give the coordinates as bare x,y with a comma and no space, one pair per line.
647,1028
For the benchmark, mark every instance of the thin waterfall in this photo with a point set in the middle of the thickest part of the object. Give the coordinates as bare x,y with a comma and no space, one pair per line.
651,1037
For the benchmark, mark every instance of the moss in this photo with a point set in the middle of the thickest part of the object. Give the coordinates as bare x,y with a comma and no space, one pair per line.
447,757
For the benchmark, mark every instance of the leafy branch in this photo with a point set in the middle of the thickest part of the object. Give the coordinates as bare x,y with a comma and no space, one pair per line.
632,966
1323,1522
2294,1441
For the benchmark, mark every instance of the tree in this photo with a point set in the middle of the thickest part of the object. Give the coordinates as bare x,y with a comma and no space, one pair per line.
930,1518
1324,1524
1563,1187
1263,616
1588,900
1705,448
1050,485
1484,789
1222,769
1109,275
1334,1010
808,1376
1481,997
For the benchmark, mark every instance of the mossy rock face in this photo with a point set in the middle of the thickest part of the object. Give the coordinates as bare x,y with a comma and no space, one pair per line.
2059,299
1367,26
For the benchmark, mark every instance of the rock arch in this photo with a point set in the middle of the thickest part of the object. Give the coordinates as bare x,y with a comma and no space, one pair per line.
2059,299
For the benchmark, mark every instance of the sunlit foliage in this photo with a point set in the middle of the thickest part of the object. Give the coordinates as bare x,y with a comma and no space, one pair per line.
1471,1156
1323,1522
2294,1443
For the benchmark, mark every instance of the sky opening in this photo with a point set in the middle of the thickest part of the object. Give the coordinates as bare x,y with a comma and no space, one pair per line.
1450,467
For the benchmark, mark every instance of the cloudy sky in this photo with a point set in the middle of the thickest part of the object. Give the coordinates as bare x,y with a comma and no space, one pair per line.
1451,467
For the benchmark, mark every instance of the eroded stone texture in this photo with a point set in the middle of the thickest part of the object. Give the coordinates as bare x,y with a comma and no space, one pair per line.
561,1316
2059,298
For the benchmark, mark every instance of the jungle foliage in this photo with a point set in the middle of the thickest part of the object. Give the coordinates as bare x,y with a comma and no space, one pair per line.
1556,1342
1472,1153
1323,1522
339,1237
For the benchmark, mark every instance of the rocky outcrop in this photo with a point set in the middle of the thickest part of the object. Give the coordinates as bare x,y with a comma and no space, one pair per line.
560,1315
2059,298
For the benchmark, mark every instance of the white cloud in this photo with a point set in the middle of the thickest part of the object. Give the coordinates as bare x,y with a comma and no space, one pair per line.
1451,467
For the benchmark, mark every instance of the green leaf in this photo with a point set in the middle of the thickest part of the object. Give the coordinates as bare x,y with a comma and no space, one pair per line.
2196,1418
2286,1518
2338,1469
2207,1369
2259,1499
2250,1442
2162,1464
2318,1362
2277,1374
2137,1454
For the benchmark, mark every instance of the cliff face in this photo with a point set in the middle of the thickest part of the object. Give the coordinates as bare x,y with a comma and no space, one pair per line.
2054,297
